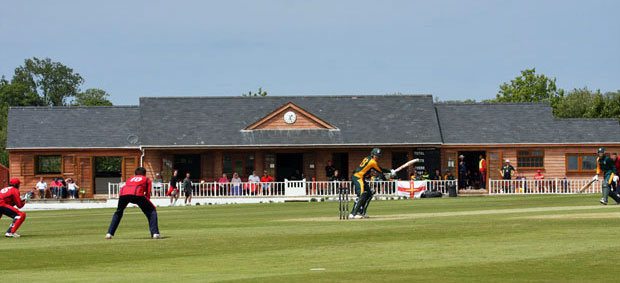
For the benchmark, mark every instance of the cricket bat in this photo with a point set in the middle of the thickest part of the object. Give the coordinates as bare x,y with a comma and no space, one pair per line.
410,162
586,186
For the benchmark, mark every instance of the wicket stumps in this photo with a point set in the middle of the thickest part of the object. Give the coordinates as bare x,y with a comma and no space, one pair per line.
343,203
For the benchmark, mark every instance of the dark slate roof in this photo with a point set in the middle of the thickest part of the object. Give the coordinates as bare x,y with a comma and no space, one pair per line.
62,127
519,123
218,121
359,120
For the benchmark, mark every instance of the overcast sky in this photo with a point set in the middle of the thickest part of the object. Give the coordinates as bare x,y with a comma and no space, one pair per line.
451,49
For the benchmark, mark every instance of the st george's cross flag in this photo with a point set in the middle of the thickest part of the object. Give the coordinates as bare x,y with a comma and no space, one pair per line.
411,189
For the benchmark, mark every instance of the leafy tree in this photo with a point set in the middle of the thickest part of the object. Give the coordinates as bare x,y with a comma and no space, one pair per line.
530,87
53,82
92,97
584,103
259,93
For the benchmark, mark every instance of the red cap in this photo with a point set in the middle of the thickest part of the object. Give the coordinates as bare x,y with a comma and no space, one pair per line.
14,181
538,171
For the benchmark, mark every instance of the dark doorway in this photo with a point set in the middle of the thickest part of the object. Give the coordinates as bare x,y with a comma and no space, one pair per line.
340,161
398,159
187,163
471,159
107,170
287,164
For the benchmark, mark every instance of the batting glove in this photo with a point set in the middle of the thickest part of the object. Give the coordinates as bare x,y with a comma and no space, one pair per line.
595,178
393,172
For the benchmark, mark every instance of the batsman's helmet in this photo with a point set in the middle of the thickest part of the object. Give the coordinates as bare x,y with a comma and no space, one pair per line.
601,149
376,151
14,182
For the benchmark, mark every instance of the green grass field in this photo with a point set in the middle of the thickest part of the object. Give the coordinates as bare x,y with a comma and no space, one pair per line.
519,238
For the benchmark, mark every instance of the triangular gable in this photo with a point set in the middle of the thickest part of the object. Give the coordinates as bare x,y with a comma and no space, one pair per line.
304,120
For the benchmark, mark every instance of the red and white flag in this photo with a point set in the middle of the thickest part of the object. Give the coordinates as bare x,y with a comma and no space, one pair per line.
411,189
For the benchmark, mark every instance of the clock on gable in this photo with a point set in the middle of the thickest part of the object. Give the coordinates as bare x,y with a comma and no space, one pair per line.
290,117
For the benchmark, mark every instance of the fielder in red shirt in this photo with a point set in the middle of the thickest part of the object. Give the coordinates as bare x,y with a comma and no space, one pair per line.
137,190
9,198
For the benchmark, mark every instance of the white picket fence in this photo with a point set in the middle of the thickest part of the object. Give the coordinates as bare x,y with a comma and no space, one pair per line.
551,186
278,189
383,188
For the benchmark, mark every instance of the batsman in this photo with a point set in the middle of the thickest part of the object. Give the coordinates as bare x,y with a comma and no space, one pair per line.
605,165
362,189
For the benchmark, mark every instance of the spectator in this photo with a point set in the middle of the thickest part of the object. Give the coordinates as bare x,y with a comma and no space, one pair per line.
157,185
41,188
463,178
297,176
329,170
425,175
253,180
55,185
415,176
437,175
449,176
506,172
72,188
337,177
236,184
482,168
223,184
470,179
539,181
187,189
266,179
173,191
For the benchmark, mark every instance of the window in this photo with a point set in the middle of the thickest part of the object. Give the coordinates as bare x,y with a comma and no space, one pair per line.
580,162
530,159
108,166
240,163
48,164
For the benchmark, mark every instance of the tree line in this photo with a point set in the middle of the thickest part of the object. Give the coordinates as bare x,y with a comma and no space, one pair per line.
43,82
575,103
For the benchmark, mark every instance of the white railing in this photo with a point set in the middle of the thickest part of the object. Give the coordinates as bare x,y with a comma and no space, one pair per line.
550,186
385,188
274,189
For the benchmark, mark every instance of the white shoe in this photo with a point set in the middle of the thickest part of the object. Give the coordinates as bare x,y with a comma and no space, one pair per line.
108,236
12,235
351,216
156,236
358,217
366,216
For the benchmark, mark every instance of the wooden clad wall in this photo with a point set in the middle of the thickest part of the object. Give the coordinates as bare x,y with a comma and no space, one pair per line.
77,164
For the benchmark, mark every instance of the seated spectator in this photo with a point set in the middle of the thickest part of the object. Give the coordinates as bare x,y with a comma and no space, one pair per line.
223,184
337,176
157,185
253,180
297,176
55,186
41,188
449,176
415,176
425,175
72,189
266,179
236,185
437,175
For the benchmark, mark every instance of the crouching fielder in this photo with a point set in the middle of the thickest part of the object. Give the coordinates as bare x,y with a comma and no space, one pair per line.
362,189
605,165
9,197
137,190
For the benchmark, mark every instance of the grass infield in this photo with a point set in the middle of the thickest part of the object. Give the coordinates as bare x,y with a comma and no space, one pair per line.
564,238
